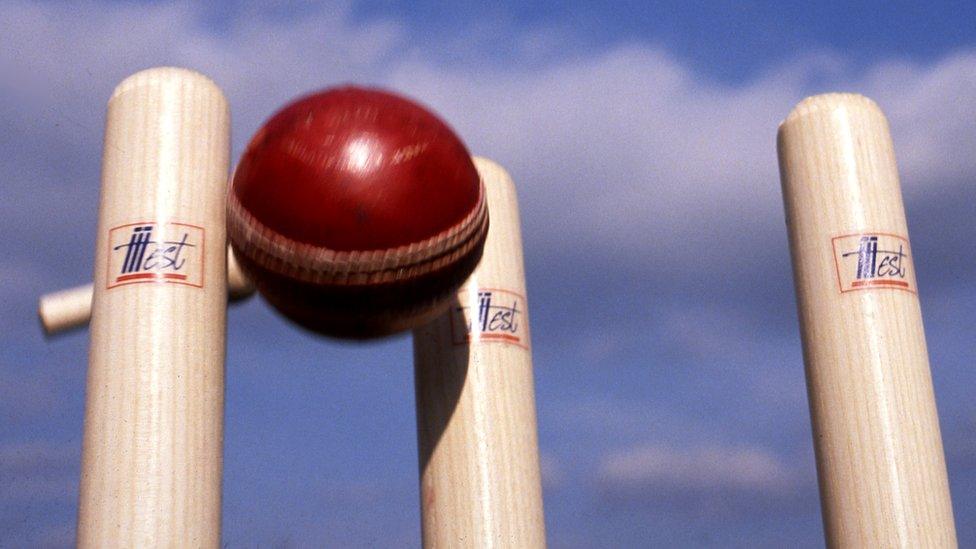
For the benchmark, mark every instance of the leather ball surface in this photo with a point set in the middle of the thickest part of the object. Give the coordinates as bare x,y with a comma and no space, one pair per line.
357,212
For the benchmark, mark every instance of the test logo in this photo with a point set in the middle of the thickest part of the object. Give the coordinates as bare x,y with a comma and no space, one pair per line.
872,261
155,252
490,314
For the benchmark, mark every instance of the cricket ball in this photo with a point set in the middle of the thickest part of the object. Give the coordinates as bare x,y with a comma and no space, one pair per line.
357,213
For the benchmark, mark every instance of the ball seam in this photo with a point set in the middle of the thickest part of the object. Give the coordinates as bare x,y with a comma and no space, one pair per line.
323,265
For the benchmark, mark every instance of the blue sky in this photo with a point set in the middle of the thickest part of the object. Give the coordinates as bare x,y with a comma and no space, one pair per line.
670,392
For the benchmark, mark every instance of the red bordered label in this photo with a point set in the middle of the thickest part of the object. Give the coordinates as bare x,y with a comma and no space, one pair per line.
490,315
151,252
873,261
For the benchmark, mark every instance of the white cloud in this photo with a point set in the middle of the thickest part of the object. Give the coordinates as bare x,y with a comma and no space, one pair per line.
707,468
705,481
626,149
624,155
69,57
629,149
930,111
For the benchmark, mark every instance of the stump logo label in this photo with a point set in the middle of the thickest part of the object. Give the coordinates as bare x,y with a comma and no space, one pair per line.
490,315
150,252
872,261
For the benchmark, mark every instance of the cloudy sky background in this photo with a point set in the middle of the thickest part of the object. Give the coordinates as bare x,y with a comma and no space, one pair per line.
669,376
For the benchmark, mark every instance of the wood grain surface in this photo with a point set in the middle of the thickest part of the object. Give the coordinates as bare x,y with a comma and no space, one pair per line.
879,453
151,459
480,481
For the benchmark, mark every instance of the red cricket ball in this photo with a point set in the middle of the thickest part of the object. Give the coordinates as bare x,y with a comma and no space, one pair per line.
357,213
